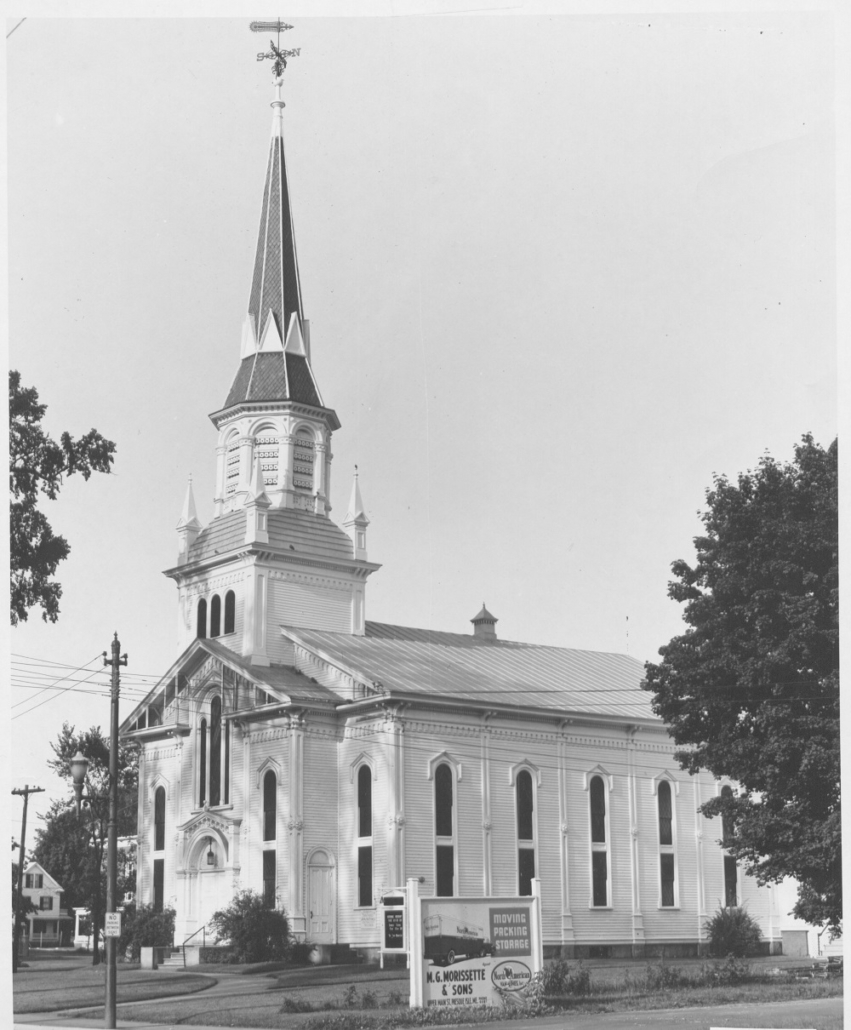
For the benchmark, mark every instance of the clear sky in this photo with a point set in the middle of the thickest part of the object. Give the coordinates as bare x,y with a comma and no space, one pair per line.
559,271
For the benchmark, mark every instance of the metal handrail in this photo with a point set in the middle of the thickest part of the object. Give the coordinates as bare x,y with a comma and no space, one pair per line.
203,931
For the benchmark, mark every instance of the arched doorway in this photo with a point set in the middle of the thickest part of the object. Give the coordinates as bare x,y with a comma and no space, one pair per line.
208,882
321,897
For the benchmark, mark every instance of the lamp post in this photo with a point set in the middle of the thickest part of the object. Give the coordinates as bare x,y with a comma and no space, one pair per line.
79,766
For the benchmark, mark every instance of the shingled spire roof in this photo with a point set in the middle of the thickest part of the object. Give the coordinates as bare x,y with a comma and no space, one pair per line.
275,363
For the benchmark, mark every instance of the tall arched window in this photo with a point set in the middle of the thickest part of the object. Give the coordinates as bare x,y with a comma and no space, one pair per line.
216,751
159,819
731,872
364,844
525,800
230,612
215,616
202,763
270,806
444,831
303,458
599,844
202,619
667,863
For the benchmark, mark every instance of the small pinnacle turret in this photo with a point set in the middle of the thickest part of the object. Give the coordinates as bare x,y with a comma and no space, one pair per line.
355,522
188,527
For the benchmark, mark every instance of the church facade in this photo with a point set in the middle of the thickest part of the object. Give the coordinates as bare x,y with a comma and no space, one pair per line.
299,750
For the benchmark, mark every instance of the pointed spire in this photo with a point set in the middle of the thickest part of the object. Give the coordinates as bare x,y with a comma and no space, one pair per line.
355,522
188,526
257,486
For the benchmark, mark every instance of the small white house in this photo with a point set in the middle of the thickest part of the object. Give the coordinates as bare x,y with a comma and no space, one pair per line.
50,925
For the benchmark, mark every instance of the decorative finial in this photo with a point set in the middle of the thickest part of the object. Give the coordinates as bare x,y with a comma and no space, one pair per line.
276,55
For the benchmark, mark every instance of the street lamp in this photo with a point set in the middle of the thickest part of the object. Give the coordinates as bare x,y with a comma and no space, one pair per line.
79,768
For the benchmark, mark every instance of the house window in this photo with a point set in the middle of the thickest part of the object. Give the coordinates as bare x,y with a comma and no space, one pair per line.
365,898
599,844
444,831
202,619
270,791
525,799
230,612
215,616
303,458
731,872
34,880
159,878
269,878
159,819
45,903
667,865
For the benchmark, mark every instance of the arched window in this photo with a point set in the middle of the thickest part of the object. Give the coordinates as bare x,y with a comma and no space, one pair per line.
599,844
215,616
444,831
364,843
525,800
232,465
667,857
303,458
270,808
202,763
202,619
159,819
216,751
230,612
266,448
731,872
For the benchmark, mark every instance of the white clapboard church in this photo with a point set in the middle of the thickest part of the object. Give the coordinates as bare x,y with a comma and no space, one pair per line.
297,749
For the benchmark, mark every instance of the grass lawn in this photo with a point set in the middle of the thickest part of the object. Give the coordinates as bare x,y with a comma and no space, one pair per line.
339,1005
52,986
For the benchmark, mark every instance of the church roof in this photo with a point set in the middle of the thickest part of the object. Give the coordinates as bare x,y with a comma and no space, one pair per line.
455,665
273,376
289,529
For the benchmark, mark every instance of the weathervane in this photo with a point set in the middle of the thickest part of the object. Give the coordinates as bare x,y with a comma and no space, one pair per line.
275,53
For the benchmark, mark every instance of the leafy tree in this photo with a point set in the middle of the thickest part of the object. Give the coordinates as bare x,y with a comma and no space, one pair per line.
145,927
37,464
255,932
751,689
74,850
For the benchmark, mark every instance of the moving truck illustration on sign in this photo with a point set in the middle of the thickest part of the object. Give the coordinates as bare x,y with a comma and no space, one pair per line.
446,939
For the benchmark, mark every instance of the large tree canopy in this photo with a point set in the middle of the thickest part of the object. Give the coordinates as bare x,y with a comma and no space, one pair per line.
751,689
37,464
73,850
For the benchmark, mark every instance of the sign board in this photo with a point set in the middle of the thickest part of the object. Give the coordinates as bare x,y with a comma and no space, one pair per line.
393,919
112,924
474,951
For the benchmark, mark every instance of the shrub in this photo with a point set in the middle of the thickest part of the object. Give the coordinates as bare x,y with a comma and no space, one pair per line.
146,928
395,998
732,931
350,997
559,980
369,1000
255,933
661,977
292,1003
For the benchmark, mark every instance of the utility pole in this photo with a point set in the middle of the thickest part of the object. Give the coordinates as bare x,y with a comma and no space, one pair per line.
18,893
112,834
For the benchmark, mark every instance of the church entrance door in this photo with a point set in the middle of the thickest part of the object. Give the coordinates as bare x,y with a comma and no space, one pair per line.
322,898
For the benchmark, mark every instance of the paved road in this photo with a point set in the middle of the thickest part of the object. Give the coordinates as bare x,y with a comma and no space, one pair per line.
801,1015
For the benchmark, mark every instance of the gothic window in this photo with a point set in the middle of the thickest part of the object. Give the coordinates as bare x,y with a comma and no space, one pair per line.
731,872
525,800
444,831
202,619
269,878
232,466
667,862
215,616
270,807
303,458
230,612
364,844
599,844
159,819
266,448
216,751
202,763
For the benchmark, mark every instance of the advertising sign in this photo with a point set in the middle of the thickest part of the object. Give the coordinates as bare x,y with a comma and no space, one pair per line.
474,951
